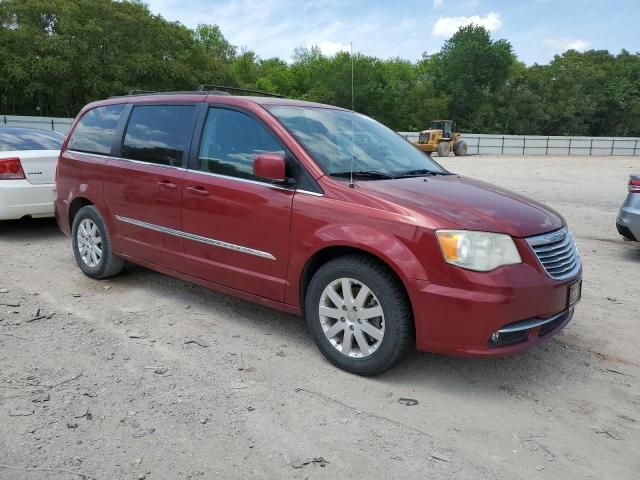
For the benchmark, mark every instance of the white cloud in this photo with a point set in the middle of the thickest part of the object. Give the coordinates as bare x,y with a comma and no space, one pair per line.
277,27
331,48
437,3
447,26
561,45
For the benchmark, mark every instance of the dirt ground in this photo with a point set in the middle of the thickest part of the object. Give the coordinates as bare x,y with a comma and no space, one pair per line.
144,376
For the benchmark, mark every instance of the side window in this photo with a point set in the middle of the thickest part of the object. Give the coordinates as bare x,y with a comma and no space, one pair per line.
230,142
159,133
95,130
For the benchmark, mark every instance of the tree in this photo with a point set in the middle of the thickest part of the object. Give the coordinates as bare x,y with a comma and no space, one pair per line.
470,68
58,55
213,43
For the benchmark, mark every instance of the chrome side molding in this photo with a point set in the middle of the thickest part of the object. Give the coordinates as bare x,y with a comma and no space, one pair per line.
197,238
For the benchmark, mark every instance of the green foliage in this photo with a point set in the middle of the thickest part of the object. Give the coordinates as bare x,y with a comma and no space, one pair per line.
469,69
58,55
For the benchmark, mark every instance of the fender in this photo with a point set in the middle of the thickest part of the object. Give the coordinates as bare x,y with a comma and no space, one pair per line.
76,171
387,247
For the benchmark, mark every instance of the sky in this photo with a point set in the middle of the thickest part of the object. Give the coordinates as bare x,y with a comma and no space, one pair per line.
537,29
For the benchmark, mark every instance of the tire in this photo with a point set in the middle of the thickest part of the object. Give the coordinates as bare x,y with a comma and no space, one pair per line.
385,295
443,149
89,230
460,149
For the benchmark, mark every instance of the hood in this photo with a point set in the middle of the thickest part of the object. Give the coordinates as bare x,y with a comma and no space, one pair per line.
468,203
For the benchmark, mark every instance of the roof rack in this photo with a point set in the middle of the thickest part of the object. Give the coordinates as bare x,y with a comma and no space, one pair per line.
135,93
140,92
202,90
223,89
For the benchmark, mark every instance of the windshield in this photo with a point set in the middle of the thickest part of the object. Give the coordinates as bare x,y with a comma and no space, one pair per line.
29,139
333,137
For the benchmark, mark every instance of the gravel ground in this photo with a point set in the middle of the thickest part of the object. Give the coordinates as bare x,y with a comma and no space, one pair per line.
144,376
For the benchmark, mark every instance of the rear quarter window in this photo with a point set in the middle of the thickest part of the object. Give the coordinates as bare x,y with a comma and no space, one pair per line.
95,130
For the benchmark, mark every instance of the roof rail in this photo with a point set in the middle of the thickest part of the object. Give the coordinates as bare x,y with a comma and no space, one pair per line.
140,92
202,90
135,93
210,88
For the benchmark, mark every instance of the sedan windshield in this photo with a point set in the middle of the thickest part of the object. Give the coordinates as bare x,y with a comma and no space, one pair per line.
341,141
29,139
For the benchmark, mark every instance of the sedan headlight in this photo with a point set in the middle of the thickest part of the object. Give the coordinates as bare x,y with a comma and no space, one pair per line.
481,251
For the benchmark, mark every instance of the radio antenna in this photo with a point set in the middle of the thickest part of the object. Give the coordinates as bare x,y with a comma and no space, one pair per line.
353,108
353,103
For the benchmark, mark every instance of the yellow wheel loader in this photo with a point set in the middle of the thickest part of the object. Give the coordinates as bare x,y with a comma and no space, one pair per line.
441,138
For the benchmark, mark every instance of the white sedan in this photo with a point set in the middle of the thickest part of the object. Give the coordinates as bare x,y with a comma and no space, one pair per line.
28,159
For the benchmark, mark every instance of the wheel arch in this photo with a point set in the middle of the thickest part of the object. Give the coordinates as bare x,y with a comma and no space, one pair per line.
75,206
326,254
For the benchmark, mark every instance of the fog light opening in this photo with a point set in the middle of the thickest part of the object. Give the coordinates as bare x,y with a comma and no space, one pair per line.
495,337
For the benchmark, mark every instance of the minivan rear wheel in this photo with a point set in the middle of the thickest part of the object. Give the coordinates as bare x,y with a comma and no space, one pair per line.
359,315
92,245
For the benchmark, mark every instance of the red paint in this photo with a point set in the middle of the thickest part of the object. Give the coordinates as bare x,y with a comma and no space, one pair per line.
239,213
455,310
270,166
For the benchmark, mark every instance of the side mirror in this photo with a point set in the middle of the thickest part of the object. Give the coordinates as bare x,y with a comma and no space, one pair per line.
270,166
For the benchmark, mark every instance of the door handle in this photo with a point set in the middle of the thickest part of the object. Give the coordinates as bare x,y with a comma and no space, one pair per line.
198,191
167,185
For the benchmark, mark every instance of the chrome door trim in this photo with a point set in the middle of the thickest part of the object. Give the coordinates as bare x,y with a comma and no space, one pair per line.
130,160
141,162
239,179
99,155
307,192
217,175
255,182
197,238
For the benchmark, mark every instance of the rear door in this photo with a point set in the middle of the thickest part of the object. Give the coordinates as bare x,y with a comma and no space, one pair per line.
236,226
143,184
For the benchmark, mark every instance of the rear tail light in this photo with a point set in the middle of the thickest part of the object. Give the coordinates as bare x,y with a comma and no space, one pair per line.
634,185
11,169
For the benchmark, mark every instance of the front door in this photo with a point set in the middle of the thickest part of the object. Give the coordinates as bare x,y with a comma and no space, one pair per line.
236,226
143,186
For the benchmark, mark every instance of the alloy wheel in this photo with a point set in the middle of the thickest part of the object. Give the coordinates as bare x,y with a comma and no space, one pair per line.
89,242
351,318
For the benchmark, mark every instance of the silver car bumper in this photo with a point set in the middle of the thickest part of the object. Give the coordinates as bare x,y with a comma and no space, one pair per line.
628,221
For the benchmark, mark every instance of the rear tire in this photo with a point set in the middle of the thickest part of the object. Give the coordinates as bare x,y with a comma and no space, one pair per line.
443,149
460,149
375,317
91,245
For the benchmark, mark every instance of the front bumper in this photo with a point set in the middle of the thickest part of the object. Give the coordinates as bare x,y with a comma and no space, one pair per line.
526,305
628,221
19,198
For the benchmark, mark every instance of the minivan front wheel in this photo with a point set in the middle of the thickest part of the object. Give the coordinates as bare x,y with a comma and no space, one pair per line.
92,245
358,315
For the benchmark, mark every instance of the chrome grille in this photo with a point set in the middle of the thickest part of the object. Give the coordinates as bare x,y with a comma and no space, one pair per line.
557,253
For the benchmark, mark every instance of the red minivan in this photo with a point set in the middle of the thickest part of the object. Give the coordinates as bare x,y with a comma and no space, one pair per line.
317,211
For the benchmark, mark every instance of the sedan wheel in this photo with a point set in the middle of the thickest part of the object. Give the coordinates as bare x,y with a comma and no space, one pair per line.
351,318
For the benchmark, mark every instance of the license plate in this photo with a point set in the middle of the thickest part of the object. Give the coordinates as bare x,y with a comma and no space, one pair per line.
575,291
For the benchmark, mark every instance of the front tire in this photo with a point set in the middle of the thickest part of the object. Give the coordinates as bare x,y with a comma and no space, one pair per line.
359,315
92,245
443,149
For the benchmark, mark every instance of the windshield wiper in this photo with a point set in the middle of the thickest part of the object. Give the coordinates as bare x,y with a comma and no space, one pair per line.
363,174
421,172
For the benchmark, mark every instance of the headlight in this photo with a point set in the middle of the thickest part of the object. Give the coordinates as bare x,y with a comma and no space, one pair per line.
480,251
